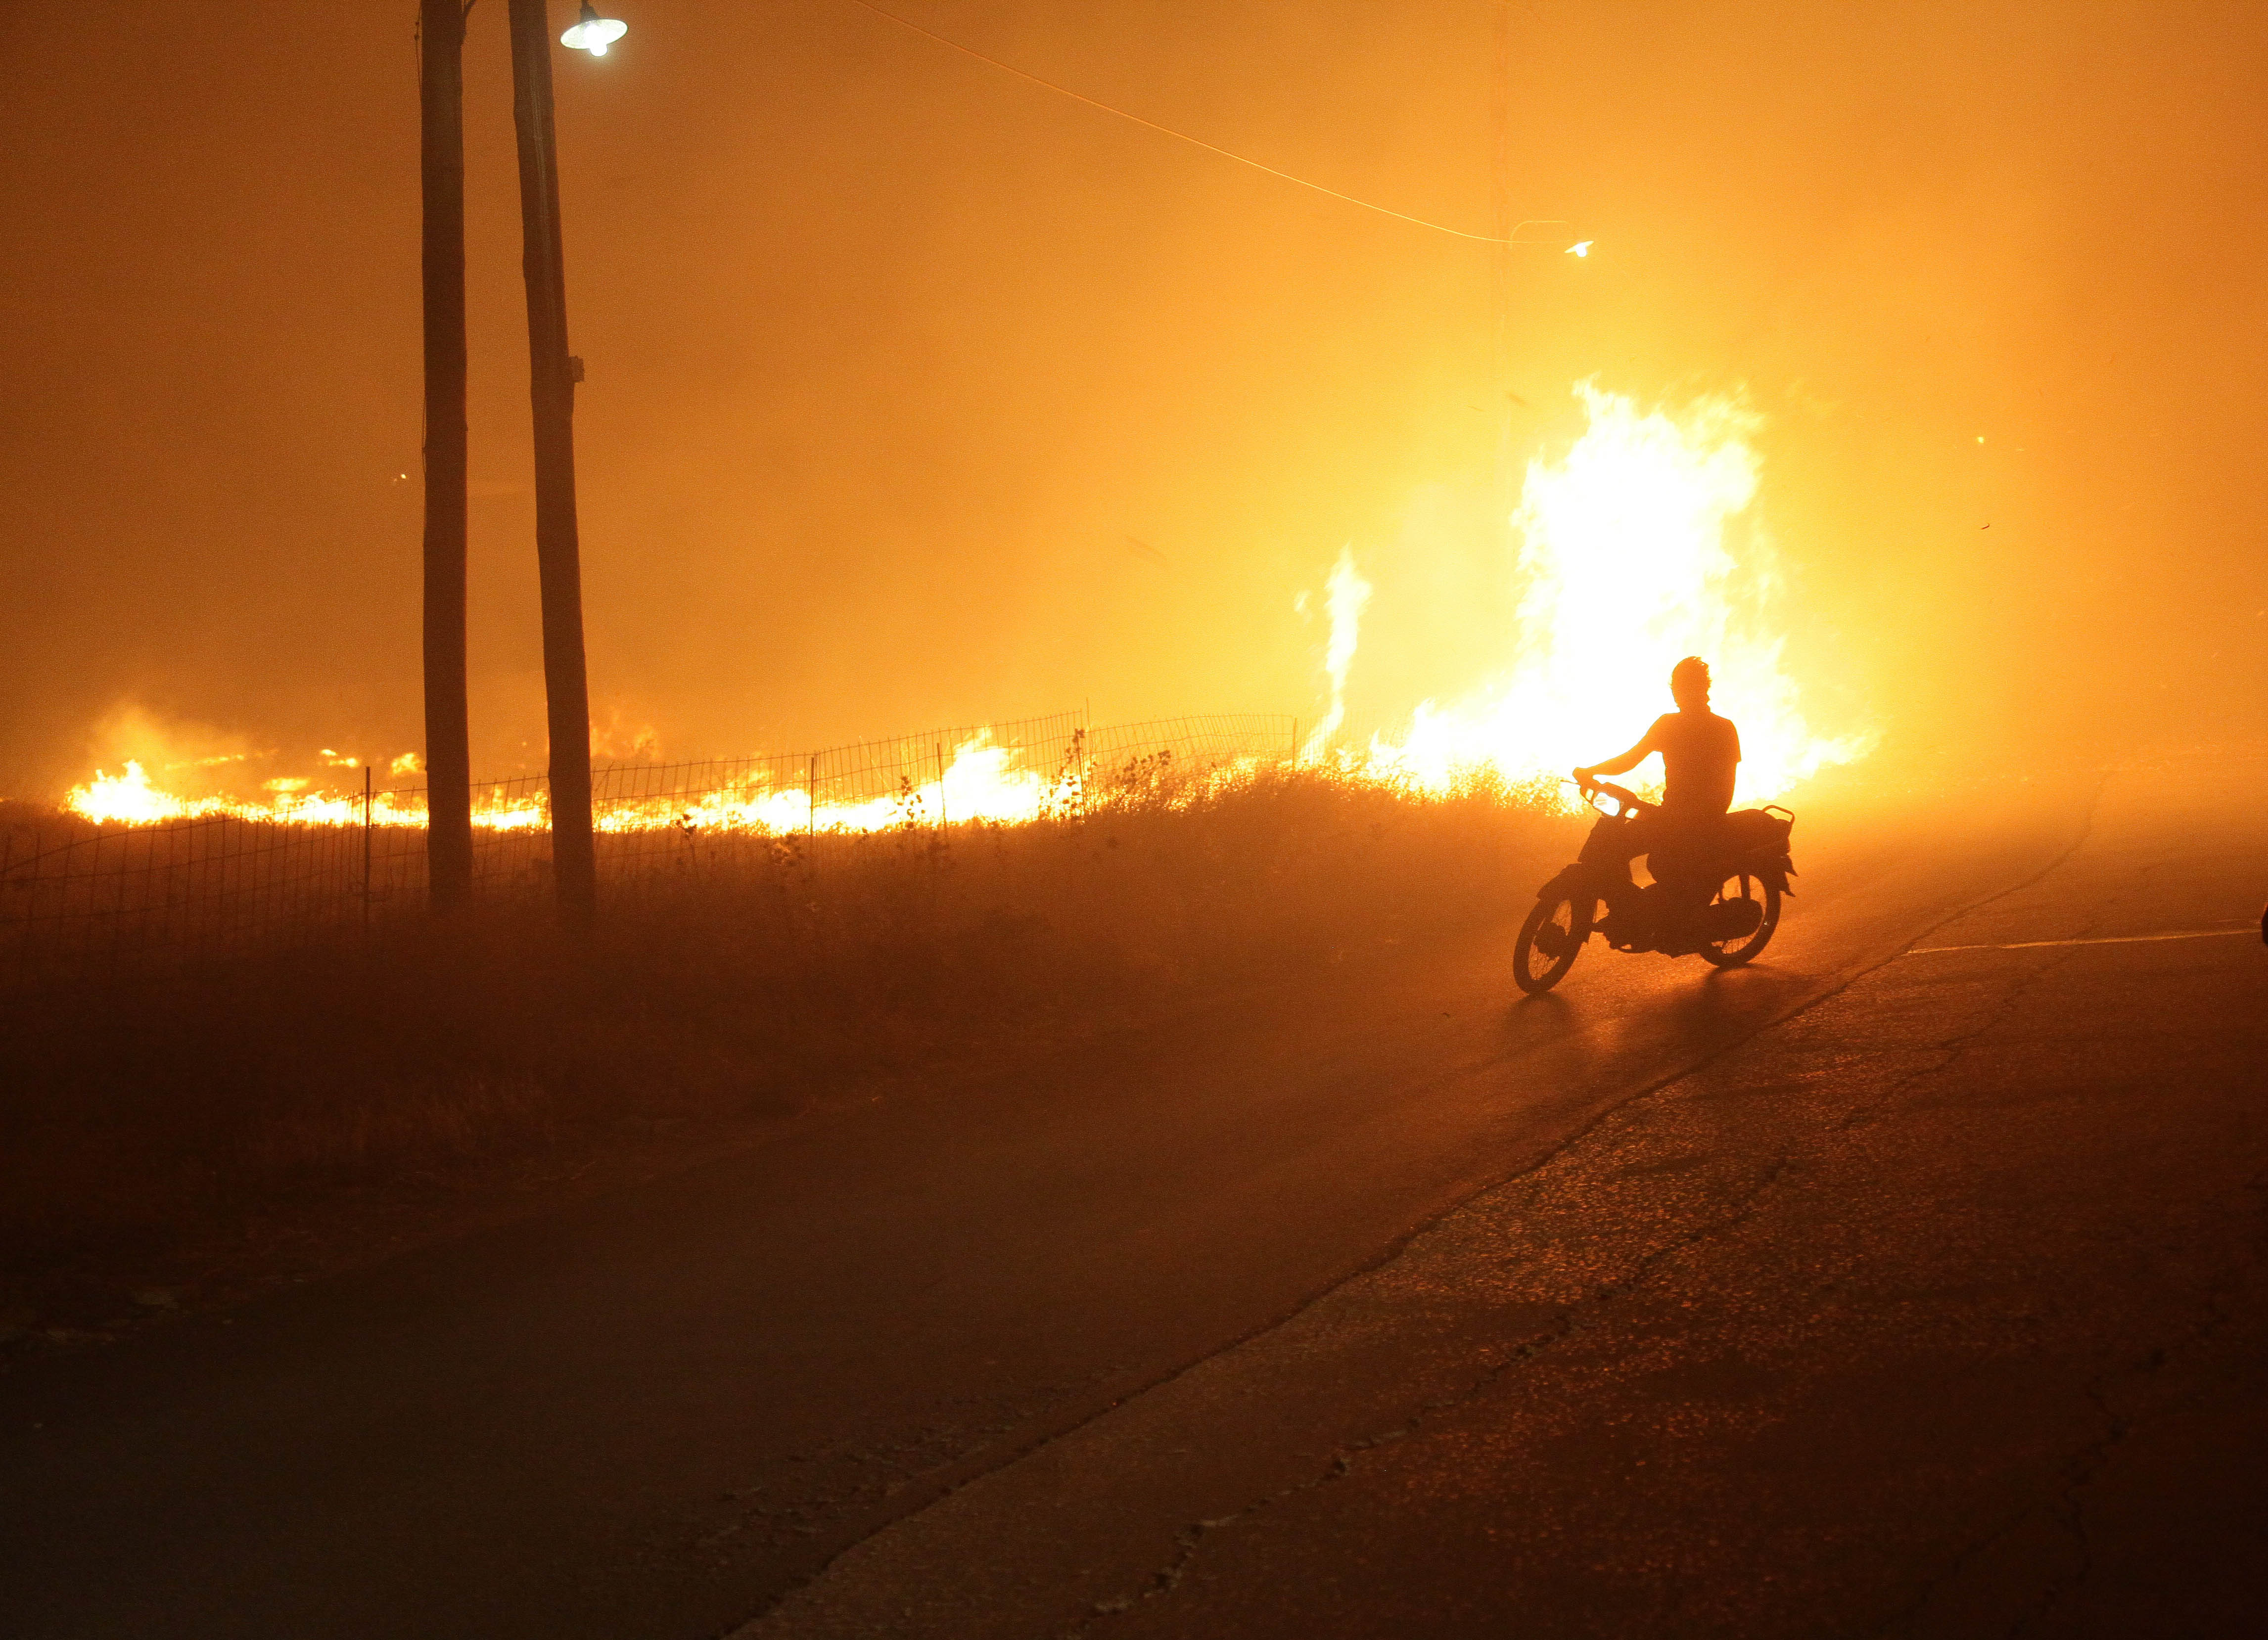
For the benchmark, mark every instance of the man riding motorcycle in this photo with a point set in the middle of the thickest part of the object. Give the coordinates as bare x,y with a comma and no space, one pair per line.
1700,752
1718,877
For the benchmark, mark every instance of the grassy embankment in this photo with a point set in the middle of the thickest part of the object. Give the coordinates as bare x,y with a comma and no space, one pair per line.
136,1123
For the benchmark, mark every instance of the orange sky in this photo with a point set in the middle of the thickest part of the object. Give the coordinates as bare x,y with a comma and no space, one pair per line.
917,395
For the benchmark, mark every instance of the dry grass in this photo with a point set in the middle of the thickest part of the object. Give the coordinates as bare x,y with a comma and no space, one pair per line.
130,1118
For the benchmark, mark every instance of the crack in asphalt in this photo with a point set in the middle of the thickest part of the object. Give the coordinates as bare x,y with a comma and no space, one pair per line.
2084,1463
1956,1046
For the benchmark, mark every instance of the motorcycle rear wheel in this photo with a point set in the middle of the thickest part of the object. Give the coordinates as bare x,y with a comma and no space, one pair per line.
1731,954
1549,941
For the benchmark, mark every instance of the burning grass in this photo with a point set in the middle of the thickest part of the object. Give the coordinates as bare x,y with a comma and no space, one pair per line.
138,1124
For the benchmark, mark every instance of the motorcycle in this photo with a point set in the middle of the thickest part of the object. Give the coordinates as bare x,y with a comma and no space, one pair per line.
1707,906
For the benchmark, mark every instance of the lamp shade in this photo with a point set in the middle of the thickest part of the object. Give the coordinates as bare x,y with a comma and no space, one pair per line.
593,33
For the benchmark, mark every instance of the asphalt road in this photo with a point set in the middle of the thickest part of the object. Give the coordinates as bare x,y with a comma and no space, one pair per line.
1612,1309
1935,1309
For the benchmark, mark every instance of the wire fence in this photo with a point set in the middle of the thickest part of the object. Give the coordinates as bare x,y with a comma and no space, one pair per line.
81,901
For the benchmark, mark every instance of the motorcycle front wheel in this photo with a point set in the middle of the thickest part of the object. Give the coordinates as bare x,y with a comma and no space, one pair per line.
1549,942
1731,954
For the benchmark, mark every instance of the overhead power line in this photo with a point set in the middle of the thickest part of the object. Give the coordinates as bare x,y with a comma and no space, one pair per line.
1195,142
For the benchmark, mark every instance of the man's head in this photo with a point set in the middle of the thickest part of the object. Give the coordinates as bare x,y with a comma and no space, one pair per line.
1688,684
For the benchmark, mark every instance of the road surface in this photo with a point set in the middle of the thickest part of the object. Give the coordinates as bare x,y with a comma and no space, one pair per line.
1908,1277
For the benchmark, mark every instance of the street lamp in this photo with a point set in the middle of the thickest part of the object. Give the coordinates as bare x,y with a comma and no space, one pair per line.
593,33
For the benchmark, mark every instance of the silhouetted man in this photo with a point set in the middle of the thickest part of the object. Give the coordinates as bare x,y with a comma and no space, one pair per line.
1700,752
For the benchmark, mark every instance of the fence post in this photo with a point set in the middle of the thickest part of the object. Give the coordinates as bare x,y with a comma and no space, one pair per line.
940,788
1295,743
811,804
365,852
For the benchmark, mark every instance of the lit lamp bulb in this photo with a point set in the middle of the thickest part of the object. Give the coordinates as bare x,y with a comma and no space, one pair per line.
1581,247
593,33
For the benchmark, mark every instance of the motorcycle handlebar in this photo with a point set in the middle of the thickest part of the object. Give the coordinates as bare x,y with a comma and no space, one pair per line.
1629,801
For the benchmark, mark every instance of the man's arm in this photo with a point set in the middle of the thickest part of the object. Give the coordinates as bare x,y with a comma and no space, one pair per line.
1627,761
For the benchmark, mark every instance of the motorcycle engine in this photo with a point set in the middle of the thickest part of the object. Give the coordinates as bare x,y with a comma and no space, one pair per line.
1734,919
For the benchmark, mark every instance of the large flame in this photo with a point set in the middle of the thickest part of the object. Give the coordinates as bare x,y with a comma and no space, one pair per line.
1635,549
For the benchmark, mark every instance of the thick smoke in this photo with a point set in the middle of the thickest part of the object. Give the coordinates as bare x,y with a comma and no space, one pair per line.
917,395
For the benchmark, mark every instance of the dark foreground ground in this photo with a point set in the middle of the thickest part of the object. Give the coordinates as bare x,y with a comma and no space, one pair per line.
1885,1287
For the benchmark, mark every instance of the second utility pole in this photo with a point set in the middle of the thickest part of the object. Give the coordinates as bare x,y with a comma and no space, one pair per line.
558,554
448,759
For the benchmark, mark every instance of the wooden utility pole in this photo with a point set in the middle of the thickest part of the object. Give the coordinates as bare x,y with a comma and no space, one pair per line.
448,758
552,388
